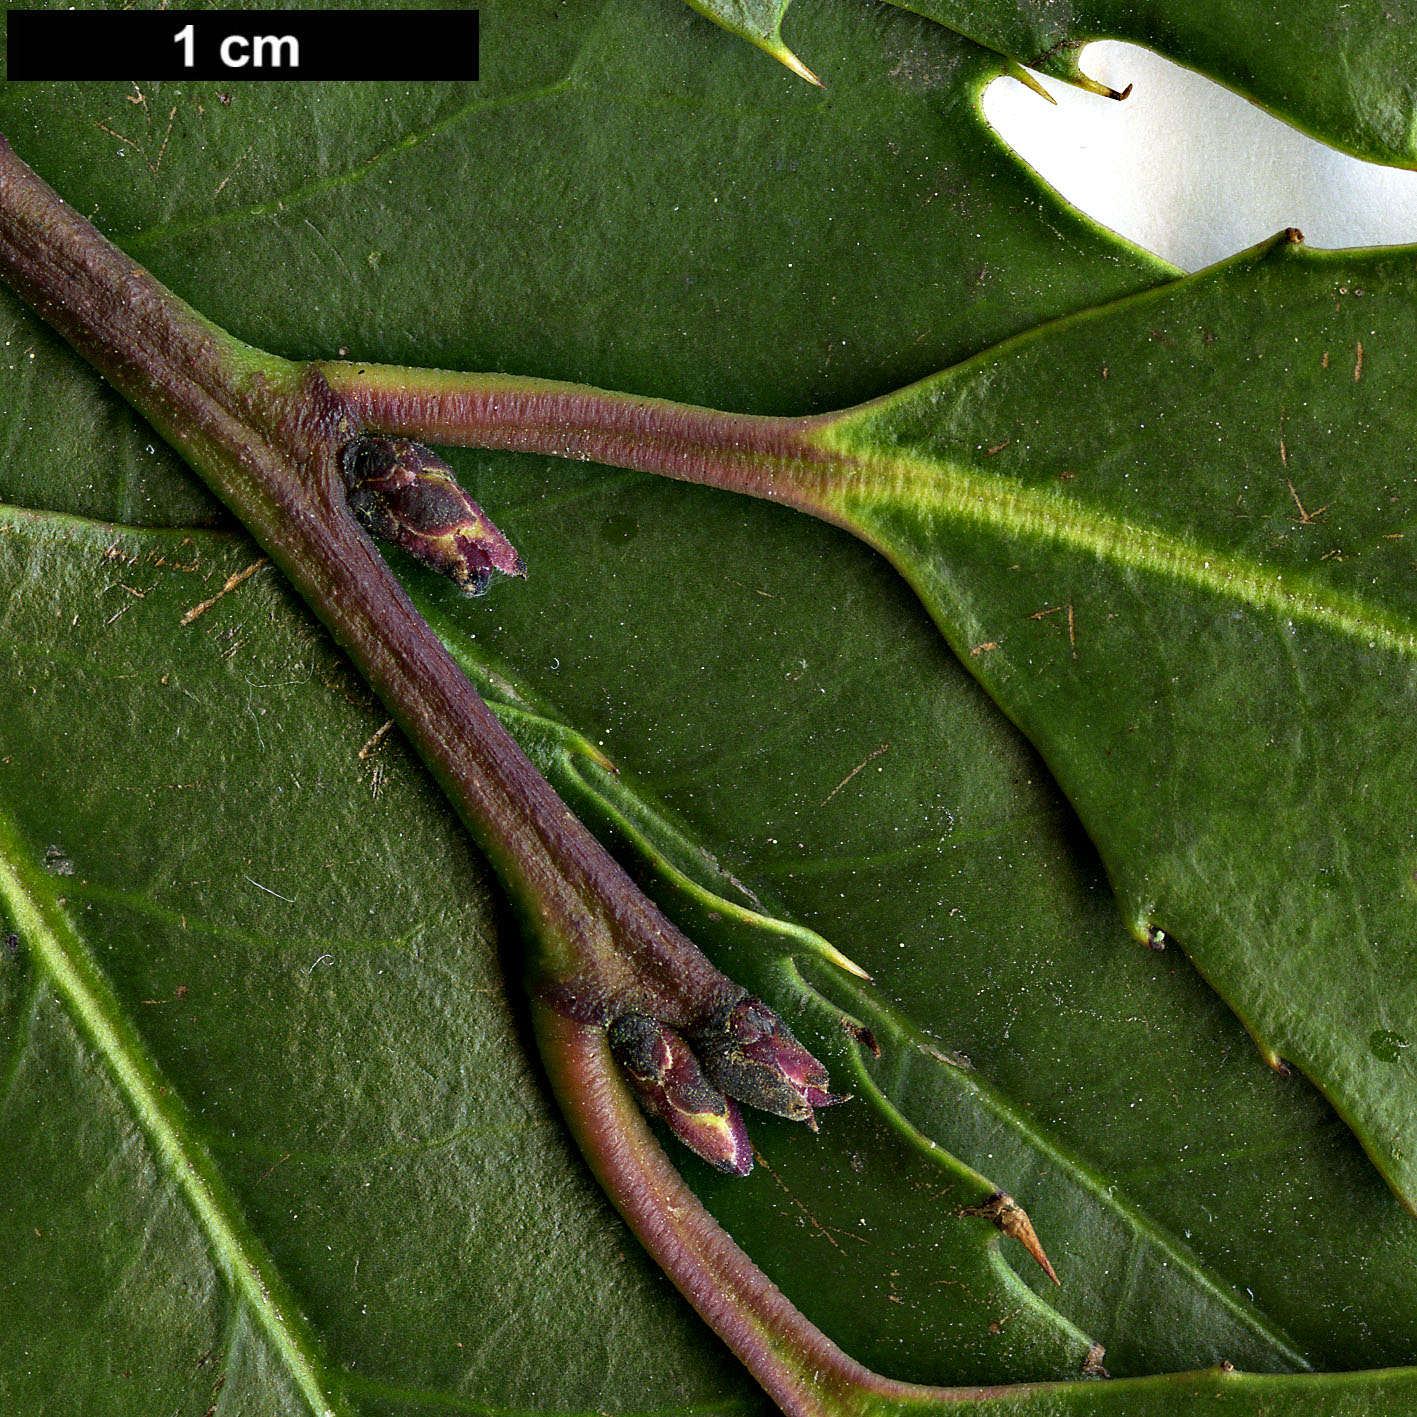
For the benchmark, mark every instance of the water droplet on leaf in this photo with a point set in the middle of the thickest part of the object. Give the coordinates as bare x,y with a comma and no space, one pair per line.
1386,1045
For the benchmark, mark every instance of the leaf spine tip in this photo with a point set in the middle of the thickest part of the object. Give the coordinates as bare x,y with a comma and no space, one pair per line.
790,60
1008,1217
1029,81
842,961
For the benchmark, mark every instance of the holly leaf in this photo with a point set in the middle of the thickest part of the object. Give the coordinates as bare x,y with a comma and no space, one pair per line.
1146,591
256,985
1345,76
759,22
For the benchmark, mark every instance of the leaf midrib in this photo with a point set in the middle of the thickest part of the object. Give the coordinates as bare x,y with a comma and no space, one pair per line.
889,497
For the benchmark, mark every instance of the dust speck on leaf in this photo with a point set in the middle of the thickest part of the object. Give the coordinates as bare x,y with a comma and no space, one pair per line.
828,1232
1306,518
288,900
57,861
1386,1045
859,1033
232,581
375,739
870,757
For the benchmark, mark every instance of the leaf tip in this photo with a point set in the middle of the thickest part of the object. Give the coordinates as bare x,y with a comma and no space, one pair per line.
1099,88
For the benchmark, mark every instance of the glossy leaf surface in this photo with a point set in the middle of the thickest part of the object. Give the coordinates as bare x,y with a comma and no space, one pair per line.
610,205
1344,75
1133,568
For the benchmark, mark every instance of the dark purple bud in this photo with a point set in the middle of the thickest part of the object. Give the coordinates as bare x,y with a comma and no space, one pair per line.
407,495
670,1083
749,1053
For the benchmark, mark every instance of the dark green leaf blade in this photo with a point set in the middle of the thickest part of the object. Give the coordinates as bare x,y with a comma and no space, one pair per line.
1179,527
542,262
629,198
938,855
545,218
400,1133
324,1122
1342,72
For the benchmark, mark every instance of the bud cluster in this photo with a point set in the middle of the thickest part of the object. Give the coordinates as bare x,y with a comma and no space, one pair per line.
742,1053
670,1084
407,495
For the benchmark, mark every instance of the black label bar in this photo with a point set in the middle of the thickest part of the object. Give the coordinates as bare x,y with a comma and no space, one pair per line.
232,45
